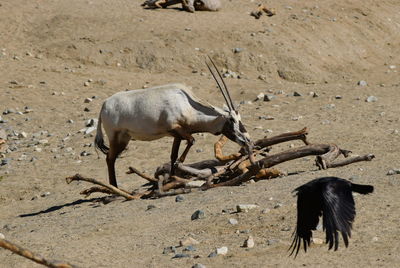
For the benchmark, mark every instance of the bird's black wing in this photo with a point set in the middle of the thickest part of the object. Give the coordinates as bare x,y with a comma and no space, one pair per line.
309,209
338,211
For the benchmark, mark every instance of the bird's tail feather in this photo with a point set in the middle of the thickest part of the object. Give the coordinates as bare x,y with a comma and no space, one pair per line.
362,189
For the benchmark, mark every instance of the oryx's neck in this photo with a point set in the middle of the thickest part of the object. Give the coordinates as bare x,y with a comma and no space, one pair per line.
206,122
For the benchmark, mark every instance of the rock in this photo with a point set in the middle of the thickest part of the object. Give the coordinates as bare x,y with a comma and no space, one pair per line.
189,248
222,251
393,172
198,214
86,109
5,161
317,241
89,130
86,84
297,94
169,250
362,83
88,100
195,184
150,207
2,236
338,97
189,241
179,198
265,211
249,242
70,121
371,99
45,194
278,205
84,153
181,255
269,97
285,229
212,254
237,50
266,117
22,135
233,221
199,265
245,207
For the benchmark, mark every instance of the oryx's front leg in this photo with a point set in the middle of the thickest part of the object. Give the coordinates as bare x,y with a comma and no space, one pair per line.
179,134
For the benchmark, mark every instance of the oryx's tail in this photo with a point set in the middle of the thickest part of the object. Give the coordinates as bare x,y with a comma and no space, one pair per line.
99,140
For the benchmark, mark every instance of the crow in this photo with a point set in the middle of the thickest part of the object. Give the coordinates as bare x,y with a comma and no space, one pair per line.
331,198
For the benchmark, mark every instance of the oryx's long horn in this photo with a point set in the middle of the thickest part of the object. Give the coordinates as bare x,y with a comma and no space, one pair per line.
222,87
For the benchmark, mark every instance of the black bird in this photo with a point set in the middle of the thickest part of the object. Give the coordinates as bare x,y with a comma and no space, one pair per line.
331,198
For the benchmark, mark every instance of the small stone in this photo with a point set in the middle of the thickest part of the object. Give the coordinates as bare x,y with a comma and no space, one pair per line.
86,84
269,97
89,130
198,214
265,211
375,239
199,150
179,198
84,153
222,251
199,265
245,207
278,205
2,236
233,221
189,241
249,242
266,117
150,207
362,83
189,248
297,94
92,122
169,250
70,121
317,241
22,135
285,229
371,99
393,172
45,194
5,161
88,100
37,149
237,50
260,97
86,109
212,254
338,97
181,255
195,184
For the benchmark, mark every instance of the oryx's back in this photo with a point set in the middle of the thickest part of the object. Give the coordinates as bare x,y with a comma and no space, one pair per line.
147,114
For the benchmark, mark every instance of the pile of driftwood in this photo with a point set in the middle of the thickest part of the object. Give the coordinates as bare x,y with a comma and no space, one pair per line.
228,170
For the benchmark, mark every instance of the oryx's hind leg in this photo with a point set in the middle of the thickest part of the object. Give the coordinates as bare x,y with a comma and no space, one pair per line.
118,143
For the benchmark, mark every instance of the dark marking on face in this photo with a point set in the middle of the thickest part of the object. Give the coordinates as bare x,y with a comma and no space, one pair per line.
241,127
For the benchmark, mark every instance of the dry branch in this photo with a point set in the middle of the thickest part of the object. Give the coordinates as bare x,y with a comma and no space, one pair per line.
109,187
233,169
32,256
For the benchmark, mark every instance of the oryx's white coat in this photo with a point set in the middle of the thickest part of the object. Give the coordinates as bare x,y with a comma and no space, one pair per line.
149,114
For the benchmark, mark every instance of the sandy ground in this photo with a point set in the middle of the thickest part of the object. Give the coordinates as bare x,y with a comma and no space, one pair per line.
49,49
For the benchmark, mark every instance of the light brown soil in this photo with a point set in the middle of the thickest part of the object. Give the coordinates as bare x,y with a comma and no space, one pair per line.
51,48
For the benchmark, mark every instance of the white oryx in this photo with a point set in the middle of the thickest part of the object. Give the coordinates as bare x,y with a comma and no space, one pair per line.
168,110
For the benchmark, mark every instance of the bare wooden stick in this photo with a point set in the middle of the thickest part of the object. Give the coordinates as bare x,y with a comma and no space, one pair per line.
113,189
296,135
133,170
96,189
218,150
347,161
32,256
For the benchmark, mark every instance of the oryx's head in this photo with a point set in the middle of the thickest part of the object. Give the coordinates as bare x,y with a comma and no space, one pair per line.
233,127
